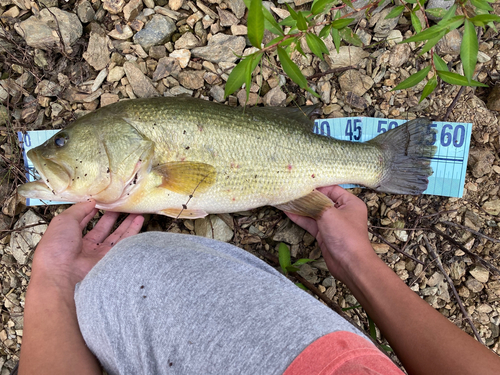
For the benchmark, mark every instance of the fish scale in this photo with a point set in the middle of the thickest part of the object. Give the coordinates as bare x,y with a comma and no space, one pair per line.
192,157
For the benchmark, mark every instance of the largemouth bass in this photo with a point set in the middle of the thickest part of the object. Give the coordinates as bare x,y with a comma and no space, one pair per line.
185,157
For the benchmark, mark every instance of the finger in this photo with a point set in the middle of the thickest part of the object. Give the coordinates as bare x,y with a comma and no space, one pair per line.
339,195
130,226
305,222
87,218
80,211
103,227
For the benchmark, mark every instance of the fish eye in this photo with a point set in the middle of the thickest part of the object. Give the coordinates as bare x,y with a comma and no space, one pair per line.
60,141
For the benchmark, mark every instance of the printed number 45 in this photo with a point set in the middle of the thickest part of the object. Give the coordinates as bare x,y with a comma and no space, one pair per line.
353,132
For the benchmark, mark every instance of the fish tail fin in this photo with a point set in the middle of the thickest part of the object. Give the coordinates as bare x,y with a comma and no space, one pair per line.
408,150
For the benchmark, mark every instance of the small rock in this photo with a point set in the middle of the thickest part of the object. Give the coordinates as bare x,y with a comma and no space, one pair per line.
24,241
175,4
480,273
239,30
450,43
48,88
309,273
141,85
108,98
182,56
116,74
85,12
221,47
384,26
347,56
166,66
227,18
482,161
289,233
121,32
157,31
301,2
355,82
493,103
380,248
457,270
97,54
13,12
132,9
432,4
40,32
187,41
113,6
157,52
355,101
275,97
213,227
492,207
217,92
192,79
237,6
394,38
400,55
253,98
473,285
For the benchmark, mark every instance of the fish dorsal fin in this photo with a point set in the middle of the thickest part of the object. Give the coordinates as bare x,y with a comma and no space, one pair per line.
312,205
186,177
297,114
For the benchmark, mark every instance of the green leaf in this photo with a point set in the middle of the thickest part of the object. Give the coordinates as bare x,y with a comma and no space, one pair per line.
413,79
341,23
255,23
270,23
483,19
255,59
292,269
436,12
336,39
319,6
429,33
439,63
450,13
324,31
371,326
237,76
395,12
275,40
481,4
301,286
301,22
316,45
291,69
293,13
429,87
415,22
298,47
247,3
469,50
457,79
284,256
350,37
387,348
348,3
289,21
302,261
431,43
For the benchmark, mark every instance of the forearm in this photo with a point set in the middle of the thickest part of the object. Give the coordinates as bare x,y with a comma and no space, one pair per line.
52,342
424,340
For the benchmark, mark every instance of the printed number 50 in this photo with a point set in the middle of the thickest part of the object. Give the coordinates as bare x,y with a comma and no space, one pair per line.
350,131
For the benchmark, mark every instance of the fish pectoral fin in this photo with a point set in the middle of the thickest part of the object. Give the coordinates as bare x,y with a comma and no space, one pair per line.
186,177
180,213
312,205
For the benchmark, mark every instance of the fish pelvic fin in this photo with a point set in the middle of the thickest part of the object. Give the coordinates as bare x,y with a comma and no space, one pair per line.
407,153
181,213
312,205
186,177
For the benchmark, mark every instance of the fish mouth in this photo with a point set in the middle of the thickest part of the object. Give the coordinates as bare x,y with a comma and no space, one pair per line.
54,175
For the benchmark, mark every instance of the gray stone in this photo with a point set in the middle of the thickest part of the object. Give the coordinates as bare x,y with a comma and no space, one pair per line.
482,161
182,56
48,88
121,32
24,241
113,6
166,66
275,97
85,12
308,273
400,55
141,85
187,41
289,232
457,270
355,82
132,9
347,56
492,207
97,54
493,103
116,74
227,18
480,273
237,6
221,48
432,4
175,4
384,26
450,43
473,285
41,32
192,79
213,227
157,31
217,93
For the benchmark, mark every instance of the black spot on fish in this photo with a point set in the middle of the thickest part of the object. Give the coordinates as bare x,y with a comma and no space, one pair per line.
85,175
184,132
47,180
107,171
142,286
187,147
81,162
135,179
144,296
190,196
184,207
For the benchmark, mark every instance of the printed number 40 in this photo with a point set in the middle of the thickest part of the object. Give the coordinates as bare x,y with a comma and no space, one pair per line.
354,133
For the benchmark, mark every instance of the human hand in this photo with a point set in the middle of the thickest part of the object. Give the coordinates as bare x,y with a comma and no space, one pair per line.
341,231
64,258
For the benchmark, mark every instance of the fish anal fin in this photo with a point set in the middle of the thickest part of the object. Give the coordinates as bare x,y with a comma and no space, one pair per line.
186,177
183,213
312,205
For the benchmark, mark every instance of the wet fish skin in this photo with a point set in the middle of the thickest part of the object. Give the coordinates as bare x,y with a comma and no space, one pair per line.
156,155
